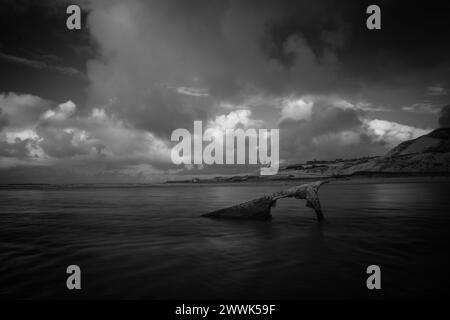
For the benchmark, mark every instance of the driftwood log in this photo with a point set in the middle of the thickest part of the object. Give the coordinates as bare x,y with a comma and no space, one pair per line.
259,209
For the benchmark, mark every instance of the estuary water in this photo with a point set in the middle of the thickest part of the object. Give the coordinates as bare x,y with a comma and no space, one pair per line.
148,242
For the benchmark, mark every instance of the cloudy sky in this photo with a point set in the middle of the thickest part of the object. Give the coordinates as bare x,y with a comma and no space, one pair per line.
99,104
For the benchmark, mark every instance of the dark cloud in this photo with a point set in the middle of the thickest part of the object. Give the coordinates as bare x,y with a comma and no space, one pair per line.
337,129
236,48
319,136
231,48
38,55
3,120
18,149
59,143
154,66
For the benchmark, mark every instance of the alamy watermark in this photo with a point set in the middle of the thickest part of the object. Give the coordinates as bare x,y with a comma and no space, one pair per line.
223,145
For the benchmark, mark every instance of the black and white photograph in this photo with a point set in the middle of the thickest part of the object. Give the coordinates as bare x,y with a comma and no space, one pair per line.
224,150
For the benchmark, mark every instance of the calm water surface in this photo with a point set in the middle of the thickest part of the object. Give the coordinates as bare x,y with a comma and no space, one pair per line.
149,242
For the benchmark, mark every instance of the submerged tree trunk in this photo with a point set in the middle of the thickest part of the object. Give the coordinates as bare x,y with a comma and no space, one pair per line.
259,209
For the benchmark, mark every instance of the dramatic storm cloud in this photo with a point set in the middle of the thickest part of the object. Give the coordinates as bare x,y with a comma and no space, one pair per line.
103,102
329,128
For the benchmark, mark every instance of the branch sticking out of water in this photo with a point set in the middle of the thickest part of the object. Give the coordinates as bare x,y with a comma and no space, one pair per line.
259,209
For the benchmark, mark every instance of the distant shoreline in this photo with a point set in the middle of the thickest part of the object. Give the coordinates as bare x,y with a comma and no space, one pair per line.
351,179
285,178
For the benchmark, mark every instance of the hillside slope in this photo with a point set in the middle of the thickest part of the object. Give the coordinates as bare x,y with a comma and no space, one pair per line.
429,153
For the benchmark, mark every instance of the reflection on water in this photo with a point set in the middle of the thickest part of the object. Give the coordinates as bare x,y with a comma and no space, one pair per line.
150,243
